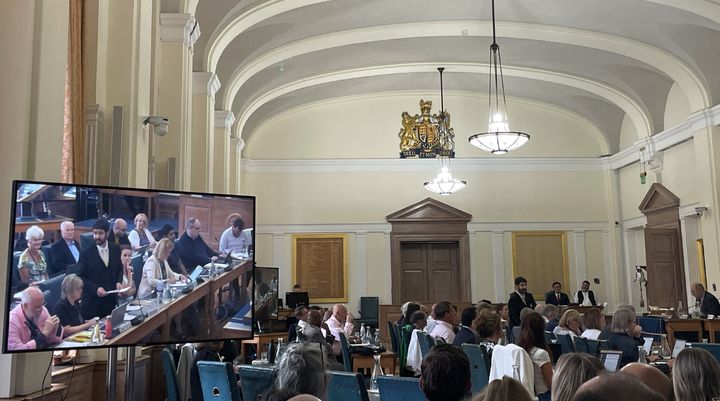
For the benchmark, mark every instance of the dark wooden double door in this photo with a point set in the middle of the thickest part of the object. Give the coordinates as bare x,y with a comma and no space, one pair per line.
666,278
430,271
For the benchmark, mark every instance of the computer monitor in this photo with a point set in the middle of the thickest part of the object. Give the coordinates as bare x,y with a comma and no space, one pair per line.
647,346
295,299
679,346
611,359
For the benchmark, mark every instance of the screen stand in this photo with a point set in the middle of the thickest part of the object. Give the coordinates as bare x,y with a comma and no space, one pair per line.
111,373
129,373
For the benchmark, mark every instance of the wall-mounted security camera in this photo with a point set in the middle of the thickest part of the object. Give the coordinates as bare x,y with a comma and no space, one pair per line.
699,210
160,124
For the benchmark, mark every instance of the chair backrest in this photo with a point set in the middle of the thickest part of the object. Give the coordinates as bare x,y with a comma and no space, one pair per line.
53,285
137,264
426,342
369,308
549,337
218,382
16,283
515,334
581,345
86,240
714,349
566,343
346,386
395,388
394,337
254,381
478,368
504,357
652,327
347,362
171,384
48,260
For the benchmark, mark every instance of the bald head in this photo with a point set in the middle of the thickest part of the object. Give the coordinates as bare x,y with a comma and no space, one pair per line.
652,377
32,301
340,312
613,387
697,290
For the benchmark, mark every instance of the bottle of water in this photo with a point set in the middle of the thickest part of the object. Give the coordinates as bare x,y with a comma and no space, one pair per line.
696,311
362,332
376,372
280,350
167,295
680,310
159,289
665,350
503,337
516,372
641,355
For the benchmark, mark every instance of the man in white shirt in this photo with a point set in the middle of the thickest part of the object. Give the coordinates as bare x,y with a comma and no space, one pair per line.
585,297
234,239
445,319
340,321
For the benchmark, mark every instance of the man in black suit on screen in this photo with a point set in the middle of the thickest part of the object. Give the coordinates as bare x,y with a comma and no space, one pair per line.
708,303
101,271
65,251
518,300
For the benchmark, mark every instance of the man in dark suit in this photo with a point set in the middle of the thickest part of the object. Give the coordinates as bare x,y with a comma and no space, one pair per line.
466,335
518,300
101,270
118,235
192,248
585,297
556,296
708,303
65,251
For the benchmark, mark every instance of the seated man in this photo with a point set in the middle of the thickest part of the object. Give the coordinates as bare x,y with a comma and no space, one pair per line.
65,251
341,321
652,377
556,296
118,234
192,248
445,320
234,239
708,303
466,334
445,374
313,334
613,387
30,324
550,314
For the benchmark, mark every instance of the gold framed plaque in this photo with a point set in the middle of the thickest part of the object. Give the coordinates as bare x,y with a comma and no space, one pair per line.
320,266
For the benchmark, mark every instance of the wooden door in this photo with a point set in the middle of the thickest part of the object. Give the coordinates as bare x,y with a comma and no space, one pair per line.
666,279
429,271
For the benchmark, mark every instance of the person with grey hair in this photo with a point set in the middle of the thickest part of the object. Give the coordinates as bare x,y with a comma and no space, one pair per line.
708,302
32,264
30,325
607,330
550,314
301,370
696,376
626,335
67,308
571,371
65,251
192,248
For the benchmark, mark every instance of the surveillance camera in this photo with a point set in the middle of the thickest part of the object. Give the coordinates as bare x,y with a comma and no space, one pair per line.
160,124
700,210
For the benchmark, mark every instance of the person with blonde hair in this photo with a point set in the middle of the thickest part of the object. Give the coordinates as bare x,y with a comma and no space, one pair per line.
67,308
571,371
505,389
696,376
32,265
141,236
156,268
570,323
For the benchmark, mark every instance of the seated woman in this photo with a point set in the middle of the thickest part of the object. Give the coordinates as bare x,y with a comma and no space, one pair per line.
532,340
593,322
626,336
32,264
156,268
488,325
67,308
127,279
570,323
418,321
141,236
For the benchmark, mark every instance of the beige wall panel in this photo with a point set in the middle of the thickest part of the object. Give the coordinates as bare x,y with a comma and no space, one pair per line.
679,172
677,107
631,191
368,127
595,258
541,258
264,251
378,263
628,133
482,274
368,197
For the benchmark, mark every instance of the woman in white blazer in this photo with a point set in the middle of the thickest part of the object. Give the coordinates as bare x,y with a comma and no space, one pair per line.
157,268
141,236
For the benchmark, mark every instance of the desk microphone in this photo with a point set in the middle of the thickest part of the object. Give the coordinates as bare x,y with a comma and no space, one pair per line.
138,319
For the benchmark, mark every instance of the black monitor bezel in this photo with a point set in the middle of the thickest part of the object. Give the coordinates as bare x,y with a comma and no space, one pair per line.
8,276
297,292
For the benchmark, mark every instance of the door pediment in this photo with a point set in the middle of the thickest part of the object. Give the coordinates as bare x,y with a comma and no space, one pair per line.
429,210
658,198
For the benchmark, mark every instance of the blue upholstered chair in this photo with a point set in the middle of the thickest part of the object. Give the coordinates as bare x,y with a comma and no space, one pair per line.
394,336
478,366
53,285
254,380
345,348
395,388
566,343
218,382
714,349
171,385
345,386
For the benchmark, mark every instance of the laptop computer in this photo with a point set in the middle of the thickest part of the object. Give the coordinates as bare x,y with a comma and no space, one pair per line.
611,359
647,346
117,317
196,273
141,251
679,346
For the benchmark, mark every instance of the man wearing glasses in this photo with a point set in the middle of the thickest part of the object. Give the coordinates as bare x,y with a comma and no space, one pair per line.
192,248
31,326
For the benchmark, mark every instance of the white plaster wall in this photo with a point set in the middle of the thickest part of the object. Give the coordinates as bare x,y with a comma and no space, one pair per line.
677,108
595,259
368,126
628,133
631,191
482,274
679,172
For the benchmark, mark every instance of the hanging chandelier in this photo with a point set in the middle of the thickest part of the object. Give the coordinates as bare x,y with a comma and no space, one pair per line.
498,139
444,183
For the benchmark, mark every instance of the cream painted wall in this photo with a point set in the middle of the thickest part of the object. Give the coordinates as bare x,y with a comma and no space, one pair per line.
286,198
631,191
368,127
679,172
628,133
482,273
677,108
595,259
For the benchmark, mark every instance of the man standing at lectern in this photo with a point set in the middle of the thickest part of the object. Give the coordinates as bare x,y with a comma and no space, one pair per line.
518,300
101,271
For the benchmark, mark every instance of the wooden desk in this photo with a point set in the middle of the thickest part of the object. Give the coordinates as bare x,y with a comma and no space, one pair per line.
126,192
712,325
54,393
387,362
216,286
673,325
261,341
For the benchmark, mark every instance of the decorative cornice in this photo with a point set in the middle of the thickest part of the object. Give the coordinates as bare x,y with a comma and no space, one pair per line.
176,27
499,227
224,118
206,83
94,113
276,229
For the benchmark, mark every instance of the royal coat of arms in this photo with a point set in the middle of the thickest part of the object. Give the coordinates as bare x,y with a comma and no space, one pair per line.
426,135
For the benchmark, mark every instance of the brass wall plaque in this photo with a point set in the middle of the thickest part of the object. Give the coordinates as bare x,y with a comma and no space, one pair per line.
319,265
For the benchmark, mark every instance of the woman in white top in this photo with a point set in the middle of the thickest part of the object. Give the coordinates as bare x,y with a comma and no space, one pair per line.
570,323
593,321
157,268
532,340
127,272
141,236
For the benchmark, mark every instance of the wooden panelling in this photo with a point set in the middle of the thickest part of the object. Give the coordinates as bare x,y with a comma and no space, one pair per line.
213,215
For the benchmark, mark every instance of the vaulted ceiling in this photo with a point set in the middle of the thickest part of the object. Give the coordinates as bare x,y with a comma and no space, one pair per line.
603,59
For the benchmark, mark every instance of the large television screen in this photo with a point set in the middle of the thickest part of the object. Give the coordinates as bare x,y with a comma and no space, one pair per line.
93,266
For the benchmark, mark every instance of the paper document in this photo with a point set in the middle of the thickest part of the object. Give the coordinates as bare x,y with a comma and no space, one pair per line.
128,317
118,291
131,308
